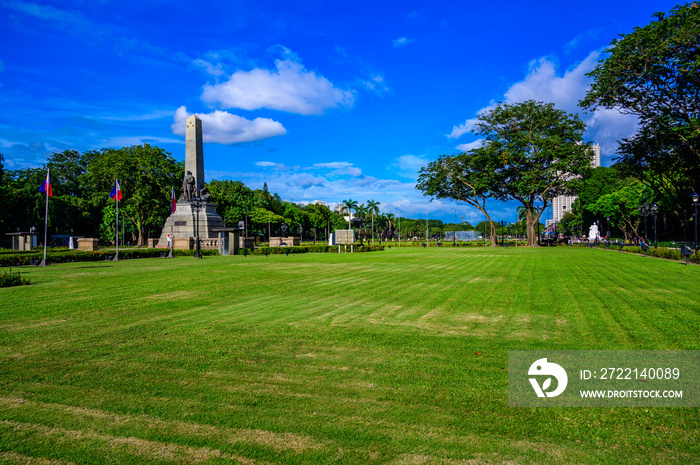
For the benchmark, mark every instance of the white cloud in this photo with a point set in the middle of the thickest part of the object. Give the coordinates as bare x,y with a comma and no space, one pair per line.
126,141
607,127
376,84
276,166
48,13
471,145
340,168
302,185
145,117
289,87
408,166
461,129
402,42
221,127
543,83
213,69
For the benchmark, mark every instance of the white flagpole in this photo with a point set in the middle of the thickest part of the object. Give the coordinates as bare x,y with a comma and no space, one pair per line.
116,256
172,221
46,218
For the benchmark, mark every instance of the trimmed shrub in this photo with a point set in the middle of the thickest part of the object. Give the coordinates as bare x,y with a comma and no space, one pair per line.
10,278
307,249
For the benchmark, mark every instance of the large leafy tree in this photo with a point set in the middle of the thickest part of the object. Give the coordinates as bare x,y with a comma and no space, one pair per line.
319,217
233,199
72,210
460,177
532,152
654,74
622,206
598,182
146,175
265,219
24,206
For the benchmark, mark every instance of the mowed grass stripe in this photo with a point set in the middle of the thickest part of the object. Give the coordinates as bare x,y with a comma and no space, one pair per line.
380,368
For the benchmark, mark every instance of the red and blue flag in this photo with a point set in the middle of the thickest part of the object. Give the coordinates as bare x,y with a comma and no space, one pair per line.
46,186
173,202
116,191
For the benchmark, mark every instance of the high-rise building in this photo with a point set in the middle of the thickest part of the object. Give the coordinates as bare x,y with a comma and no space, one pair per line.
562,203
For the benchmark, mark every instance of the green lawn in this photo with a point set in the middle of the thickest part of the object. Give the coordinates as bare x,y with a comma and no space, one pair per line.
333,358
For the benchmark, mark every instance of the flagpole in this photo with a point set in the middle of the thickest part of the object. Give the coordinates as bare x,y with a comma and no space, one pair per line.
172,237
46,219
116,231
172,220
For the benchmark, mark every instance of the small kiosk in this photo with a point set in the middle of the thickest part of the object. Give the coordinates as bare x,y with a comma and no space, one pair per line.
228,240
23,240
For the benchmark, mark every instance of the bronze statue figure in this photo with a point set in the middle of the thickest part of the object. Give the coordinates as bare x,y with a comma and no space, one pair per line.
189,187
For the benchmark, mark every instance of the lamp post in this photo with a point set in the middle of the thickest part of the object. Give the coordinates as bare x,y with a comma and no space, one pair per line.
654,209
644,210
196,203
503,223
695,196
608,234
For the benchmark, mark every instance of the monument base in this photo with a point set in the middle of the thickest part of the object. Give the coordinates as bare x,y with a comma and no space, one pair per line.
184,223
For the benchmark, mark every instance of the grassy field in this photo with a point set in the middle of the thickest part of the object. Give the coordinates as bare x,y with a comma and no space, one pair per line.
327,358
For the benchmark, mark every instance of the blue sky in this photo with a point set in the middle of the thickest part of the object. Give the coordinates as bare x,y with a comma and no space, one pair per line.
321,100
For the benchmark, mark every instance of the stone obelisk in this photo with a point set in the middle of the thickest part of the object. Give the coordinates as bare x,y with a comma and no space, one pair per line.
184,220
194,151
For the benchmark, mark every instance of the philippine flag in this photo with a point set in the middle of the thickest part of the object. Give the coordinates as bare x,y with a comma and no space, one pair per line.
46,186
116,191
173,203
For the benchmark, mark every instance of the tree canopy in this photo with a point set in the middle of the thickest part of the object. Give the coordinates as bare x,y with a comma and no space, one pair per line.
146,175
532,152
460,177
654,74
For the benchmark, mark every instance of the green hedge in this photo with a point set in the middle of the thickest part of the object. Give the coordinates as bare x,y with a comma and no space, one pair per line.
659,252
307,249
21,258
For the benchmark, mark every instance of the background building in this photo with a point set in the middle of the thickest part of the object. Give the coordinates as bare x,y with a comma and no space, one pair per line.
562,203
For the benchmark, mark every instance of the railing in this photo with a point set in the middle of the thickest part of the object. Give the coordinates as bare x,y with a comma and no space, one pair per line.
209,243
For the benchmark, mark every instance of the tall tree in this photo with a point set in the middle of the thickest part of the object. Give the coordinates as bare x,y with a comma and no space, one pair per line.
73,211
654,74
460,177
373,209
533,152
146,175
319,217
622,206
233,199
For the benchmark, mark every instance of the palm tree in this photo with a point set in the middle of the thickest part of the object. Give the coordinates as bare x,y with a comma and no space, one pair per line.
349,204
361,214
390,221
373,208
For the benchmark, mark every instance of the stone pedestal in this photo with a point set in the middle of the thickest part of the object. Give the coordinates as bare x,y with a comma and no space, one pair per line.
184,222
284,241
152,243
246,242
87,244
186,243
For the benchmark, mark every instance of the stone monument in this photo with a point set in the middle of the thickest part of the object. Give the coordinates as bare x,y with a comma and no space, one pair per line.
593,233
184,220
